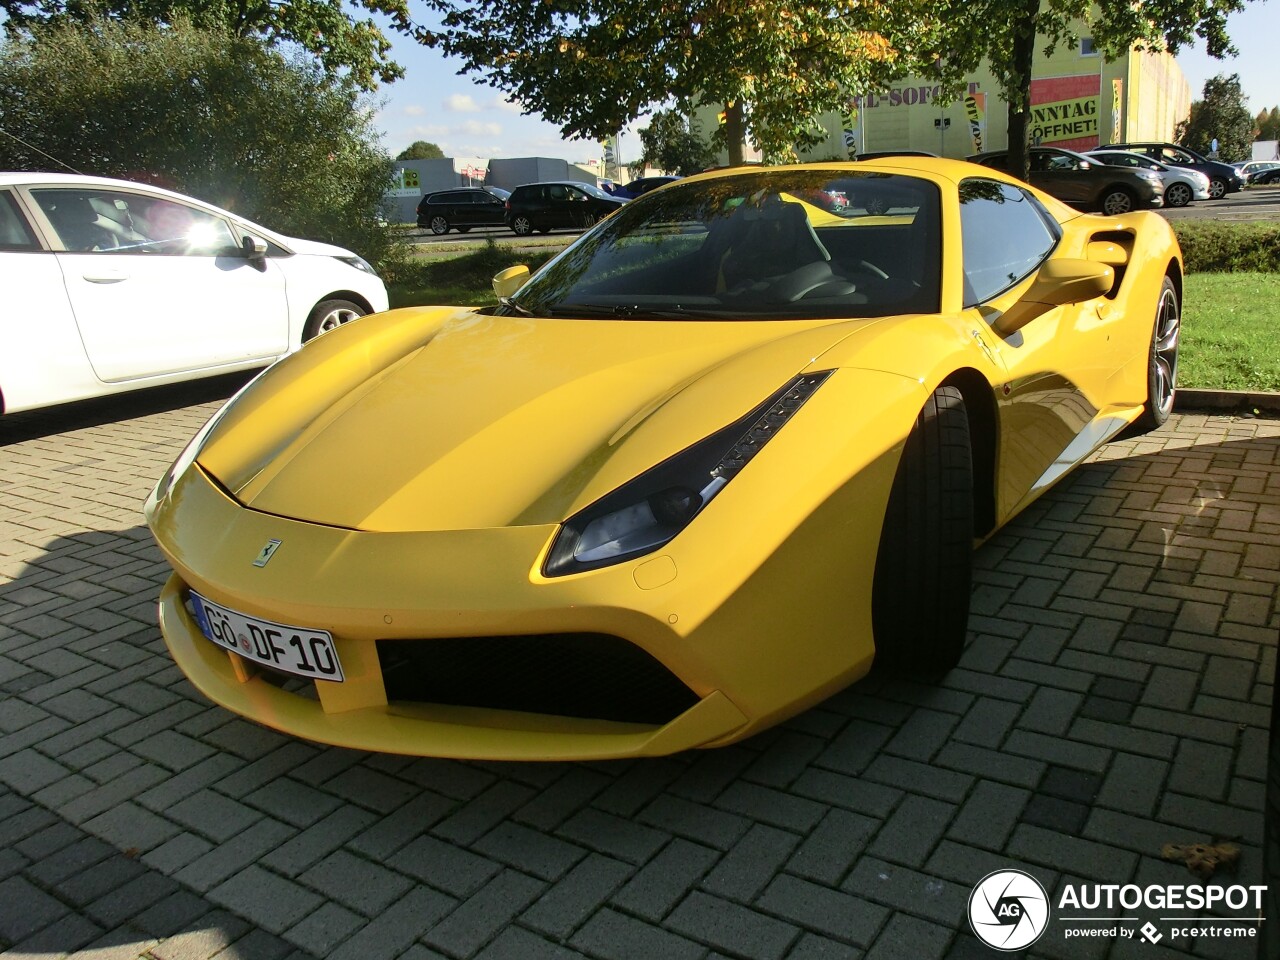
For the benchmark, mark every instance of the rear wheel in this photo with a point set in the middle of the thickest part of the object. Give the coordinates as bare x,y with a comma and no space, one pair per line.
439,226
920,596
329,315
1178,195
1117,200
521,226
1162,361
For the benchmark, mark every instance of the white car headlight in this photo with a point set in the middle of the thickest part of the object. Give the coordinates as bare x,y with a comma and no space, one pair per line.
360,263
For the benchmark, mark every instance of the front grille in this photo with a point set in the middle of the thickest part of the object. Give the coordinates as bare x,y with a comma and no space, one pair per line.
584,675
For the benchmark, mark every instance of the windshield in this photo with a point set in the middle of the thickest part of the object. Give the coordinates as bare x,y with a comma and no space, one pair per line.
771,245
592,189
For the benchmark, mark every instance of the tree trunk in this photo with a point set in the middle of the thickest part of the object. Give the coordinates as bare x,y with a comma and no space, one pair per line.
1024,52
733,132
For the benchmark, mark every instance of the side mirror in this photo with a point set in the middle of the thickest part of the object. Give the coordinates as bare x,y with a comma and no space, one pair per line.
1085,165
1059,282
252,248
506,283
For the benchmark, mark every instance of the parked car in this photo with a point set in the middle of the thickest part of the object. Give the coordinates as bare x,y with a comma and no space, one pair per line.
111,285
1266,178
1249,169
1181,184
691,477
1223,178
636,188
558,203
462,209
1075,179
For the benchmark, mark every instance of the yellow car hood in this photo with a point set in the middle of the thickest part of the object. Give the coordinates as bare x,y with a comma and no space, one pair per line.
493,421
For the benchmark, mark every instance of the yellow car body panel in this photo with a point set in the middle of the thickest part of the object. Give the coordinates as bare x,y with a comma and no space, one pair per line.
404,516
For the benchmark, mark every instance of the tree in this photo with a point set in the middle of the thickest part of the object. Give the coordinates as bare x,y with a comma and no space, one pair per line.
592,66
219,117
1220,116
1006,32
421,150
668,144
1268,124
339,42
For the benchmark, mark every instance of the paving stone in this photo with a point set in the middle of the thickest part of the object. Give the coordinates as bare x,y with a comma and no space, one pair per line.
566,905
213,815
362,885
823,910
613,836
731,927
987,723
615,936
449,868
27,909
480,815
989,815
910,834
1201,769
909,938
235,854
321,839
664,880
695,821
479,919
837,790
1050,711
292,802
833,846
270,901
322,931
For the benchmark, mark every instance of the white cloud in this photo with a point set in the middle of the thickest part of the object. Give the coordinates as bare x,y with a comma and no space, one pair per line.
461,103
479,128
427,131
413,110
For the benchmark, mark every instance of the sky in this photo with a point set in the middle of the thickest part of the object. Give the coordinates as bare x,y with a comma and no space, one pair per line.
467,119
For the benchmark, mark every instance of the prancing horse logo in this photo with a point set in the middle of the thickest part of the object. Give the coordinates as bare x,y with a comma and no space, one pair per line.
267,553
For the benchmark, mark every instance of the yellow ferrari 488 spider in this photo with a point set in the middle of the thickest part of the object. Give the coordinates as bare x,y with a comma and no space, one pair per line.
695,474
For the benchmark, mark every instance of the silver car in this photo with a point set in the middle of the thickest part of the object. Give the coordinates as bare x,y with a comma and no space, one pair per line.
1181,185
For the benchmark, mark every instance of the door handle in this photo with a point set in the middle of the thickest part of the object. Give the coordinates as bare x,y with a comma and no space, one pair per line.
106,276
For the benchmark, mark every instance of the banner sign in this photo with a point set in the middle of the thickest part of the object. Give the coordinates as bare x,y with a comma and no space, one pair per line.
975,108
1065,111
1117,105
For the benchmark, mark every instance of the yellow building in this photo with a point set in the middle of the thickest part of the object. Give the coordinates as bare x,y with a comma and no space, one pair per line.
1078,101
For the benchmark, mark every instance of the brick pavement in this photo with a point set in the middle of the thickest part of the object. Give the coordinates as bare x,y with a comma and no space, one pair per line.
1114,697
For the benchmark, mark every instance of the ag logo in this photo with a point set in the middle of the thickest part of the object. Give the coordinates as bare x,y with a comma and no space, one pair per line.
1008,910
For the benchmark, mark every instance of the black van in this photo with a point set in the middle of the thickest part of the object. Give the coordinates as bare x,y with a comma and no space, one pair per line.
561,203
462,209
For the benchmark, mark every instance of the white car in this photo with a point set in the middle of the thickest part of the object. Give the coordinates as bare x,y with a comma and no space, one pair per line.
1181,184
1252,168
111,286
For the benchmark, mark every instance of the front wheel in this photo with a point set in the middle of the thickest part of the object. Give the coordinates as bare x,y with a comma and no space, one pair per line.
329,315
1178,195
1217,188
1117,201
1162,361
521,226
588,220
920,594
439,226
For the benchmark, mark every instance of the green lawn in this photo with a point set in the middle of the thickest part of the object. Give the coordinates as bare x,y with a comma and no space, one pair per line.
1231,331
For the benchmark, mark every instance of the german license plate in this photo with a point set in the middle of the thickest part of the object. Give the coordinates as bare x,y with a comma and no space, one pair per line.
297,650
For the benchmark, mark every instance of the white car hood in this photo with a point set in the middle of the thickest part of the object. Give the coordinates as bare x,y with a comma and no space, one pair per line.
315,248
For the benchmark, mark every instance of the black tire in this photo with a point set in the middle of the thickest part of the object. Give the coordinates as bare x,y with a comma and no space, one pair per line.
924,569
589,220
1162,361
1177,195
329,315
544,229
1217,188
464,229
1117,200
521,226
439,225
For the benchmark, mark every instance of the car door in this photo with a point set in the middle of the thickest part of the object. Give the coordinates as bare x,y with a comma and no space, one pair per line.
1058,365
159,286
559,210
41,357
489,210
1059,174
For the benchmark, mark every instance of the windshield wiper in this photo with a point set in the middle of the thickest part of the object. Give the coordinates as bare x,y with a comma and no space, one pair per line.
635,311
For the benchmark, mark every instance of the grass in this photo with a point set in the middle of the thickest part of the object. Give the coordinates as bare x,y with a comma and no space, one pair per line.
1230,335
1231,332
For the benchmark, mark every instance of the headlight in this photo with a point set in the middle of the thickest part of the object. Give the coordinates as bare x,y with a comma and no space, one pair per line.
360,263
647,512
1150,175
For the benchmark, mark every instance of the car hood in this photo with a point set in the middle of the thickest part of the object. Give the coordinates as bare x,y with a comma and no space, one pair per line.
315,248
479,421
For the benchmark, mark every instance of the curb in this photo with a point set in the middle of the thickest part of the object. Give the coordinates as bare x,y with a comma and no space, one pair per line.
1244,401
